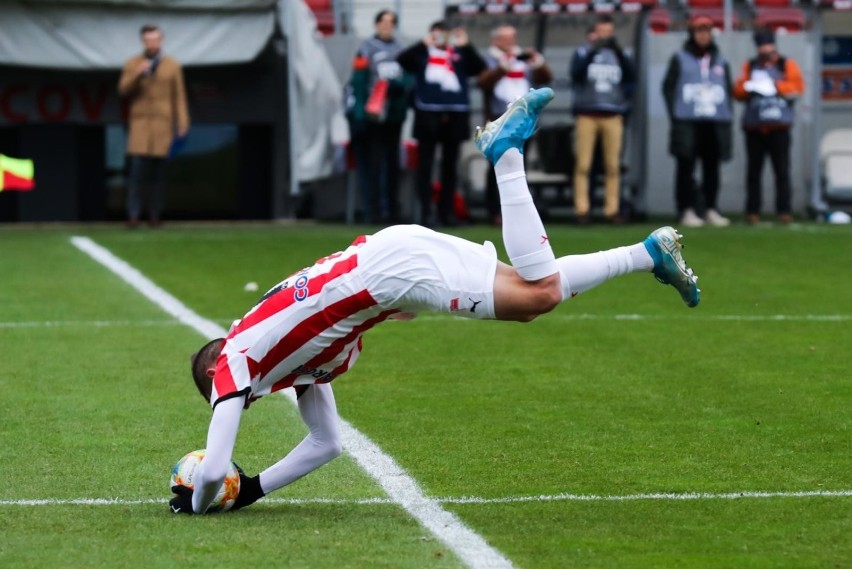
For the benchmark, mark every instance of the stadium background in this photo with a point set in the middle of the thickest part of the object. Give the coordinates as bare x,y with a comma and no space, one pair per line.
265,80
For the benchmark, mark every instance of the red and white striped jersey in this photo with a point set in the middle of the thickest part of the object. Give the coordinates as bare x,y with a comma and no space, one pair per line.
305,330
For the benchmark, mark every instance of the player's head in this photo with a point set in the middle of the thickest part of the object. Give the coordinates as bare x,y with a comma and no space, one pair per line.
152,38
764,40
504,37
203,366
385,22
604,27
440,33
701,31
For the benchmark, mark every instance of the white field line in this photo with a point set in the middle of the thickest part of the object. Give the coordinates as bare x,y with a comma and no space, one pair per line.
689,315
402,489
86,323
449,318
565,497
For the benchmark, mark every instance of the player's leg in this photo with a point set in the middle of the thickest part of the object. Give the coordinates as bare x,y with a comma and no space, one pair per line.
321,445
502,143
544,281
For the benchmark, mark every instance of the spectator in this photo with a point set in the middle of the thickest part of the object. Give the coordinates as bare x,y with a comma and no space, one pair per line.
441,63
697,90
511,72
603,78
378,107
769,84
153,84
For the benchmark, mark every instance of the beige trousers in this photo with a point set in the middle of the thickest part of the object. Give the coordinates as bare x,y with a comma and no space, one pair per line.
586,132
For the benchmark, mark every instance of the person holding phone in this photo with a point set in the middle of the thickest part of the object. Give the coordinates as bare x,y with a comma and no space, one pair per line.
442,64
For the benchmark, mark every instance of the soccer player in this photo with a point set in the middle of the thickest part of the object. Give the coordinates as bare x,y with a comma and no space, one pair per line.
307,330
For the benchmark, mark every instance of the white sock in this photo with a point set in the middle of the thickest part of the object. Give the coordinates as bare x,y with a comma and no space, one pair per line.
524,236
580,273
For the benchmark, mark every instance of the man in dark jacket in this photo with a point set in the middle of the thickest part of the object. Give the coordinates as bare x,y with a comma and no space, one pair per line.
769,84
603,78
697,90
441,63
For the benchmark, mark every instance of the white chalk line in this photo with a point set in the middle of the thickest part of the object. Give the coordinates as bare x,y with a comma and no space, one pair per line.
450,318
401,488
87,323
563,497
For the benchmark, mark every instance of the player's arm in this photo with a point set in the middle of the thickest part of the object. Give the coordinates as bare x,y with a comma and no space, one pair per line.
740,91
321,445
793,85
221,437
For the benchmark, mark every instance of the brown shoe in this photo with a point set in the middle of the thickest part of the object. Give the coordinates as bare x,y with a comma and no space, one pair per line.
133,223
785,218
615,219
753,218
583,219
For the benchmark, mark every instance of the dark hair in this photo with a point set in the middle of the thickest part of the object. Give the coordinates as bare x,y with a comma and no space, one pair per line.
383,13
200,361
604,19
763,36
149,28
439,25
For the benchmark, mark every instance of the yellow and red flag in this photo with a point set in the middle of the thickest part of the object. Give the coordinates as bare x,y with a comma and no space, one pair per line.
16,174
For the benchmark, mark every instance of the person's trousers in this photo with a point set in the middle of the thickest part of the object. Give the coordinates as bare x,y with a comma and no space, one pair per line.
775,143
586,131
146,173
383,150
427,147
707,152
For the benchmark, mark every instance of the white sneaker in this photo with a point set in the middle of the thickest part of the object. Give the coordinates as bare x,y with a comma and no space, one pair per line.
716,219
690,219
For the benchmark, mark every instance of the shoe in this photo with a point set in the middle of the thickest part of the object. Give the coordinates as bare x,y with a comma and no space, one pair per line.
584,219
691,219
615,219
514,126
669,267
753,218
785,218
716,219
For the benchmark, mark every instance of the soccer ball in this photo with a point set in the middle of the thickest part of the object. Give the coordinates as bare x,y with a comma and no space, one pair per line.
184,472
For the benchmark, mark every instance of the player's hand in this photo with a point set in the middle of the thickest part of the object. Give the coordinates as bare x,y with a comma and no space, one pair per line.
250,491
182,502
460,38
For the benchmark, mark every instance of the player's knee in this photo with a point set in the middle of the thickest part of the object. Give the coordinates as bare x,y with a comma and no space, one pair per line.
551,297
548,295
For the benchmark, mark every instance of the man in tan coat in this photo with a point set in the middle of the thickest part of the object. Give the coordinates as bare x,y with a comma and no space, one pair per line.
153,84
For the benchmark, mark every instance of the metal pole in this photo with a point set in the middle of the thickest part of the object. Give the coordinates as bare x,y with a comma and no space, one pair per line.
728,15
292,96
816,201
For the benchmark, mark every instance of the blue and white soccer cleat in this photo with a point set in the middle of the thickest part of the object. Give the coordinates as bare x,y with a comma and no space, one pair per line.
514,126
669,267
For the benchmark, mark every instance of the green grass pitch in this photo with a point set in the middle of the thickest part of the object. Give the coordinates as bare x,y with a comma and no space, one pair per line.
619,392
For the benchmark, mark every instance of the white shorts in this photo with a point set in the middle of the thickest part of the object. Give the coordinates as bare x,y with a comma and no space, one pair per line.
414,269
